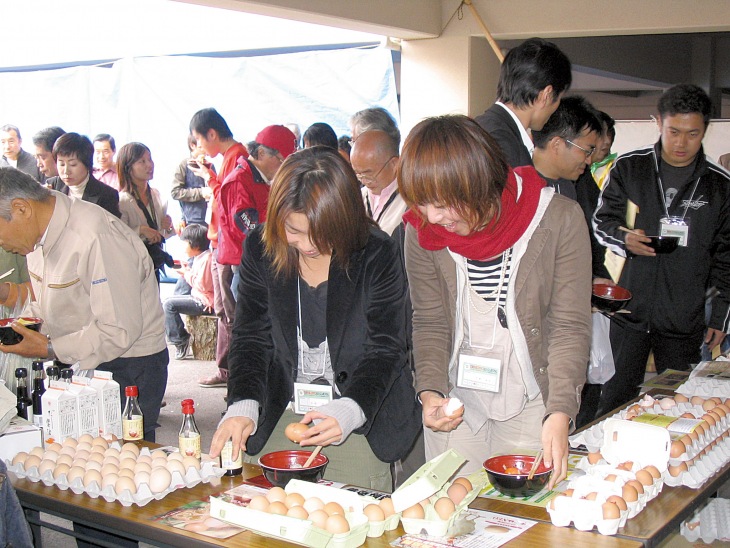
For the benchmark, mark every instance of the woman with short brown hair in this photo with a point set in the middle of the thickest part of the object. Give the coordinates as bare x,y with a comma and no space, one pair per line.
499,273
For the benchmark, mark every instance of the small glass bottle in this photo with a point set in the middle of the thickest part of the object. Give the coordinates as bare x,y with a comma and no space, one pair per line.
189,437
232,467
25,404
53,373
67,375
37,394
132,419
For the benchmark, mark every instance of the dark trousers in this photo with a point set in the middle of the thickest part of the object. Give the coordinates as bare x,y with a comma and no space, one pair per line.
149,374
225,310
631,349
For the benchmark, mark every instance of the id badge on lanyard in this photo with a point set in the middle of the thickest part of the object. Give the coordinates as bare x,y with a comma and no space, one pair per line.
479,372
675,226
310,396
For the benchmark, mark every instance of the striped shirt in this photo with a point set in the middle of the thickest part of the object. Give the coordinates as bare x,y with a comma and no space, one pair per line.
487,278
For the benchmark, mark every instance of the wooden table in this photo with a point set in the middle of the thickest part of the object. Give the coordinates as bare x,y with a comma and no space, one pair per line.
136,522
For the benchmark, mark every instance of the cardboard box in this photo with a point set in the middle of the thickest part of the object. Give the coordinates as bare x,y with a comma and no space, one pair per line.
20,435
109,403
87,408
60,414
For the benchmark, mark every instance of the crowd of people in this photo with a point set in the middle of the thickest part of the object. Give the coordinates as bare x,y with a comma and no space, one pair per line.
384,280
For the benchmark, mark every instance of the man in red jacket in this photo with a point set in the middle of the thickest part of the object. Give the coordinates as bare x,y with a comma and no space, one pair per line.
213,135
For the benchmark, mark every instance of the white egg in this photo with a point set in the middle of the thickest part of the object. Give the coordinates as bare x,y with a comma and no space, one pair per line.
125,484
191,462
175,456
108,479
90,477
141,477
176,466
160,480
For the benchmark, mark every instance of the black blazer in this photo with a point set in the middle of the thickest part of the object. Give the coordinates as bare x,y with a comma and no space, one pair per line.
366,333
95,192
502,127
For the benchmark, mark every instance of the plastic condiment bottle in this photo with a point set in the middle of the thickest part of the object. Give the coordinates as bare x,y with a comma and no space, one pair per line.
67,375
132,419
232,467
189,438
37,394
25,404
53,373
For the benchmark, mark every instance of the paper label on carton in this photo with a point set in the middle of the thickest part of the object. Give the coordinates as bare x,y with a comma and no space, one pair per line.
663,421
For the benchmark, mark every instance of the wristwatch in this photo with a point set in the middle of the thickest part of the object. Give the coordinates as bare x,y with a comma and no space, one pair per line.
49,348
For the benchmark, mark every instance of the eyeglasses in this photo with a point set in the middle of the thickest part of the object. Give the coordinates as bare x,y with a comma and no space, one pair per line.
588,151
373,178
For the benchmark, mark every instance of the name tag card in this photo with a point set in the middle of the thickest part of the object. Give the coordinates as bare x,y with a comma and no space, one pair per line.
310,396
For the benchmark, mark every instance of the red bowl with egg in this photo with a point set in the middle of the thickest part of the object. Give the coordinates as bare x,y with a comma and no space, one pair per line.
281,466
516,484
8,336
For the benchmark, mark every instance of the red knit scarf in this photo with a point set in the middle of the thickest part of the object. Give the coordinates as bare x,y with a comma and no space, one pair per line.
498,235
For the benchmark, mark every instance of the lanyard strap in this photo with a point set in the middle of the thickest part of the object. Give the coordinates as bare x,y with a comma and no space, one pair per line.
382,211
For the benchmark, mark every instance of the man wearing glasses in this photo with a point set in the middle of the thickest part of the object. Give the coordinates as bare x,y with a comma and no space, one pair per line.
374,157
564,147
673,189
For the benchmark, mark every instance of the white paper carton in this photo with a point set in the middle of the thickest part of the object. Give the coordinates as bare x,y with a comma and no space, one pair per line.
60,414
109,403
87,408
20,435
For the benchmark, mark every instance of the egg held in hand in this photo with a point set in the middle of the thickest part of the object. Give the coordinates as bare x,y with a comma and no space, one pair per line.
295,431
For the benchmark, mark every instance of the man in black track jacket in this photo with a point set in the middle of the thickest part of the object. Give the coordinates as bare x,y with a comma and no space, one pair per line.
677,190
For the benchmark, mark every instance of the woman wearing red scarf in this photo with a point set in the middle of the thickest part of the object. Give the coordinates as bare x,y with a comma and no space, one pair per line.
499,271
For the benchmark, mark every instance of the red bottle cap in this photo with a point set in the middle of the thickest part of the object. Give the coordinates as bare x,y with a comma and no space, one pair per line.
131,391
188,407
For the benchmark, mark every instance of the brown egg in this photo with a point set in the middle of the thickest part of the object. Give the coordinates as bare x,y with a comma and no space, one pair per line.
465,482
444,507
456,493
610,510
415,512
312,504
337,525
628,465
629,493
20,457
611,477
109,479
696,400
297,512
333,508
717,414
680,398
591,496
618,501
708,404
568,492
686,440
295,431
260,503
278,508
644,477
677,449
129,446
294,499
700,429
319,518
75,472
675,471
594,458
59,470
425,503
636,485
45,466
125,484
707,417
722,406
687,416
276,494
653,470
373,512
387,505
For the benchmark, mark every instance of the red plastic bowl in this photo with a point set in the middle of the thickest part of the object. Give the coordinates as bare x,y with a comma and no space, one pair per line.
280,466
8,336
516,485
610,298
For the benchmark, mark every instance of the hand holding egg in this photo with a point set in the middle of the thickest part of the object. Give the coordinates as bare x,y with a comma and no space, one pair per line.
453,408
295,431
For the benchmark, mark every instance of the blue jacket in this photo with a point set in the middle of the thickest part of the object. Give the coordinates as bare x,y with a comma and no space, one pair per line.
14,530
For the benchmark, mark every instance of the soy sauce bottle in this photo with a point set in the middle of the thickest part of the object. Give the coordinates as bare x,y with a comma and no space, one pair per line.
189,437
38,391
67,375
232,467
132,418
25,404
53,373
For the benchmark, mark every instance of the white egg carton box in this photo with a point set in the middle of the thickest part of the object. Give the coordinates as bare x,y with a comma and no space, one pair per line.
710,461
623,441
711,523
227,507
708,379
431,481
143,495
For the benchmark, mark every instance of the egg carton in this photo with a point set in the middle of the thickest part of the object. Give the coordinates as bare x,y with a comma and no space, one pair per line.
703,468
701,384
584,514
603,470
300,531
459,523
143,495
711,523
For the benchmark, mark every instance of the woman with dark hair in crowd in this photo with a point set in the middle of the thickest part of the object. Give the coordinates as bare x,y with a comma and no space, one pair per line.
499,268
321,301
320,133
142,207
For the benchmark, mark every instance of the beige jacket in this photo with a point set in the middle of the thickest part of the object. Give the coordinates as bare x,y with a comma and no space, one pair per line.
552,304
95,287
